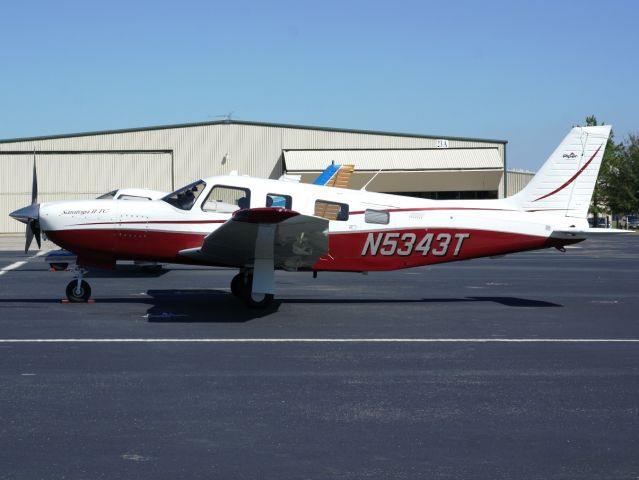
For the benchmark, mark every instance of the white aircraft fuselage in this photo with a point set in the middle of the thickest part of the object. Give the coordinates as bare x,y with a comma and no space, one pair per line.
419,231
260,225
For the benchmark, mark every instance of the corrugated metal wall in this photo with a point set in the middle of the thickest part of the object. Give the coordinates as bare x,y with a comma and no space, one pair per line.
197,151
75,176
517,180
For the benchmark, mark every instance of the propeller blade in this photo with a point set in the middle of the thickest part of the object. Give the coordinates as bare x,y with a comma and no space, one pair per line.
35,228
29,238
34,186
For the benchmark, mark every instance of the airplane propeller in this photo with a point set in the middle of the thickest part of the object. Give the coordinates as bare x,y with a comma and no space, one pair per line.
30,215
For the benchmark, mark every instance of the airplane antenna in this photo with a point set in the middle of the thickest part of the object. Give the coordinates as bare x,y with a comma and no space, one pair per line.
368,183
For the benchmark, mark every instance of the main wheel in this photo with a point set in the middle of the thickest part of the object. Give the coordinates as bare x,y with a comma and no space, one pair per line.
77,294
58,267
261,300
237,285
258,300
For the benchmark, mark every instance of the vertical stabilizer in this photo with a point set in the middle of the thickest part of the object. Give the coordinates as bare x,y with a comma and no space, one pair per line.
565,183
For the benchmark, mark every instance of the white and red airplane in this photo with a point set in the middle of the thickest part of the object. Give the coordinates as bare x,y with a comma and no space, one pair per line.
259,225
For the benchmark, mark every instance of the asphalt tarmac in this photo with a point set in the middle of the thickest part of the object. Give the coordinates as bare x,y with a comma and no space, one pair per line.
521,367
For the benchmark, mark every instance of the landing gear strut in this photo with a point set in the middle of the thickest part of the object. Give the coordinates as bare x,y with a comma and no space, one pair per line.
242,288
78,290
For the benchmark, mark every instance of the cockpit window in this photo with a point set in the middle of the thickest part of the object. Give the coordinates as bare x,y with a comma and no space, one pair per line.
185,197
133,197
108,196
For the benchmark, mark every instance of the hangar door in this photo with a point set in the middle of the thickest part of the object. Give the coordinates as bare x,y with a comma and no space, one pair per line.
77,175
406,170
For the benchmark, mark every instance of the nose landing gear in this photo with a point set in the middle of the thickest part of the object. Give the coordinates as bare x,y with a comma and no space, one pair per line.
78,290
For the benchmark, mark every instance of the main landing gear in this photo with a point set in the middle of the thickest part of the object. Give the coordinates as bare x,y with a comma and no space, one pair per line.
242,289
78,290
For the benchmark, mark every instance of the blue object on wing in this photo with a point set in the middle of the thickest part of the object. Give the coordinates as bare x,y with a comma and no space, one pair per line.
327,174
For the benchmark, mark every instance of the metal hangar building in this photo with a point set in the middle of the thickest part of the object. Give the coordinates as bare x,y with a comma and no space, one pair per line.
85,165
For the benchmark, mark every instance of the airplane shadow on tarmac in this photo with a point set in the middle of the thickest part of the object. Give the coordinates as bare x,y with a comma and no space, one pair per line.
193,306
189,306
219,306
507,301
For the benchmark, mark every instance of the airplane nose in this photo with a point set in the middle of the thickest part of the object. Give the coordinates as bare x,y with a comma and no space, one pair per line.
24,214
31,216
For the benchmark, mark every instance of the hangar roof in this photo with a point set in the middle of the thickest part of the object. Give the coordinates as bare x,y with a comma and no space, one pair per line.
395,159
256,124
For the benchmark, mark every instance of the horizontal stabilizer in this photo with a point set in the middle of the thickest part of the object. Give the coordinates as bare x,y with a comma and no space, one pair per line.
584,233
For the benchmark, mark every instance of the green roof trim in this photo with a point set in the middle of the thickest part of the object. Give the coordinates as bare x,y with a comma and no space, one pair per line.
255,124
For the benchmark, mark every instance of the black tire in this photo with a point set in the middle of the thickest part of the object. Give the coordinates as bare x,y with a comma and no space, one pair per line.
237,286
249,301
59,267
247,295
82,295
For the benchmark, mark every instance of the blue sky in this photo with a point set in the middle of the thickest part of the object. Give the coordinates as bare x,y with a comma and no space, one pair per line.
519,71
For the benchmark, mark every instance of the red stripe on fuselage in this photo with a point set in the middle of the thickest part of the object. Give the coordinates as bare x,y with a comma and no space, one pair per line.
128,244
417,247
144,222
348,251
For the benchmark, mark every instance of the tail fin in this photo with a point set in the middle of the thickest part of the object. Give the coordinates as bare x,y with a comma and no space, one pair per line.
565,183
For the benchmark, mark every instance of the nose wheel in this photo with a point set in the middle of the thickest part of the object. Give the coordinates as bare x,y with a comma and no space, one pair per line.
242,289
78,292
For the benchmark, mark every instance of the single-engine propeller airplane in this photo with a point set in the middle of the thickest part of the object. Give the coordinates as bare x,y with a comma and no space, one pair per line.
260,225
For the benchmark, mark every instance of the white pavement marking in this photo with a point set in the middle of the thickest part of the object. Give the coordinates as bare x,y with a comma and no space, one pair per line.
15,265
319,340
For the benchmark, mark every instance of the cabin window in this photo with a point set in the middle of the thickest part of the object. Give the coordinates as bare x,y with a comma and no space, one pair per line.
185,197
223,199
276,200
376,216
331,210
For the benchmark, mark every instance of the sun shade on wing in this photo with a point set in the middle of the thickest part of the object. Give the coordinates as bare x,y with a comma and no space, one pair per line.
292,240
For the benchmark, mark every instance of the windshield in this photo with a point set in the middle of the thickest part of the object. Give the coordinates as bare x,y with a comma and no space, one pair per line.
185,197
108,196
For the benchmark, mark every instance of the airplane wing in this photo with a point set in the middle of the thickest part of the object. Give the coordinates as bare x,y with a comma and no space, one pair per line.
265,239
